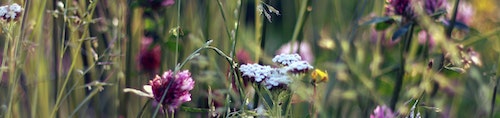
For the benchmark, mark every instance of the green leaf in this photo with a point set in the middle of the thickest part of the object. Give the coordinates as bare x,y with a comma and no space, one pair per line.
382,26
377,20
461,26
401,31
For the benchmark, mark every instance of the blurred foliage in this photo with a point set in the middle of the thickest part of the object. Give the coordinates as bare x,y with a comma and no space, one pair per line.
75,57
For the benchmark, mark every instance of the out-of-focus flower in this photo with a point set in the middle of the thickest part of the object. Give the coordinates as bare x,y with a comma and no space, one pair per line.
431,6
382,112
255,72
399,7
286,59
10,12
156,4
149,58
243,57
319,76
177,92
305,50
474,57
465,12
423,37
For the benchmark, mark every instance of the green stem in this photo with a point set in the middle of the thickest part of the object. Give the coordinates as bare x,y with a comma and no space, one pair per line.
400,76
74,57
300,22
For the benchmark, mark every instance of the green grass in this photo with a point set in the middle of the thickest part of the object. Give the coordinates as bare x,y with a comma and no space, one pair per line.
76,60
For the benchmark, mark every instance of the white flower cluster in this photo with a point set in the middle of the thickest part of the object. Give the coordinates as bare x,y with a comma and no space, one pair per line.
286,59
278,78
10,12
255,71
299,67
275,77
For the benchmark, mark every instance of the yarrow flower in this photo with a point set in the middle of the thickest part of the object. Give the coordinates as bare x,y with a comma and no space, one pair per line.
255,72
149,58
286,59
382,112
10,12
274,78
277,79
177,91
299,67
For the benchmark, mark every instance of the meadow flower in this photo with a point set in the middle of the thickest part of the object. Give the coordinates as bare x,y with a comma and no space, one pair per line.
255,72
424,37
243,57
465,12
382,112
305,51
286,59
299,67
10,12
399,7
156,4
319,76
149,58
177,92
431,6
277,79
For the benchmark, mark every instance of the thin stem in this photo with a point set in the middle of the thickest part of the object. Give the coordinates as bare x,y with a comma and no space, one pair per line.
300,22
400,76
453,19
73,62
143,108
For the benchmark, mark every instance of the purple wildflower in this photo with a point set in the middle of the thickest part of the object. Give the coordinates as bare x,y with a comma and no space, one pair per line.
424,36
149,58
177,92
243,57
399,7
465,12
431,6
382,112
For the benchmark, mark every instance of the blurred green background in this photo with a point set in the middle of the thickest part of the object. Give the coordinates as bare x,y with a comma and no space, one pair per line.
94,46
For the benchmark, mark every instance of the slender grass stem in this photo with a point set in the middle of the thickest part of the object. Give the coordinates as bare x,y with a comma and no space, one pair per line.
74,57
401,73
303,15
128,60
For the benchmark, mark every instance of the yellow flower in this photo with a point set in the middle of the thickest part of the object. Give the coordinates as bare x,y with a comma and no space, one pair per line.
319,76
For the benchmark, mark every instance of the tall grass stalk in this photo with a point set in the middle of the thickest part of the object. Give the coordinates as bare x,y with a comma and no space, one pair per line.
75,54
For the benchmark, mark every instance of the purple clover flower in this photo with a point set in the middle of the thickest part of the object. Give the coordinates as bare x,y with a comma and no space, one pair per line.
432,6
382,112
399,7
177,92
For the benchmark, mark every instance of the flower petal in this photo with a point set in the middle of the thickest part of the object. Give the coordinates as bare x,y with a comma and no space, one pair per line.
138,92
